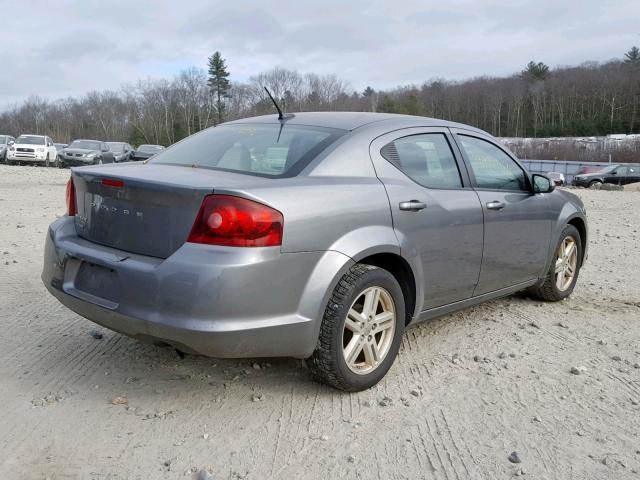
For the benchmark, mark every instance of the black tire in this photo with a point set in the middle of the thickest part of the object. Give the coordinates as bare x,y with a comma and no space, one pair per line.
327,363
595,184
46,161
548,290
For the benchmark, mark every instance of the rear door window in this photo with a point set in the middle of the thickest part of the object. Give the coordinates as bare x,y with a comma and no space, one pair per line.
426,158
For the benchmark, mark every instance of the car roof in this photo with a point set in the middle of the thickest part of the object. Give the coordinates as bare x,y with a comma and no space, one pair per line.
353,120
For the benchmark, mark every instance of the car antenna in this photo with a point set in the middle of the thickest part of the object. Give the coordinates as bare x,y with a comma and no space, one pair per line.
280,114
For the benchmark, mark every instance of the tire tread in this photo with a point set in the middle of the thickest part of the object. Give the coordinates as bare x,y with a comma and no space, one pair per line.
322,362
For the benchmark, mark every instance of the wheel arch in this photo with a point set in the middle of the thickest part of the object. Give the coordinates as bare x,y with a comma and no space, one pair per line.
402,272
581,226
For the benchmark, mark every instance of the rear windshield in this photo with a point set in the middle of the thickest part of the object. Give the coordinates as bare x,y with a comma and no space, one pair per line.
269,150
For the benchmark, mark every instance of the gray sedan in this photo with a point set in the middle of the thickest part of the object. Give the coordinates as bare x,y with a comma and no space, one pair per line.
85,152
319,236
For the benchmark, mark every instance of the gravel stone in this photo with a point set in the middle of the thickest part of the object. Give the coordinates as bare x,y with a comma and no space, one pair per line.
204,475
96,334
514,457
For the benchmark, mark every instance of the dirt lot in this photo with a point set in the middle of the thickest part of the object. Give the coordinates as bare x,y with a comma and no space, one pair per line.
466,391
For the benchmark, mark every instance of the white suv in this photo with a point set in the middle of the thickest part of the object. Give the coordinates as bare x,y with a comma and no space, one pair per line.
32,149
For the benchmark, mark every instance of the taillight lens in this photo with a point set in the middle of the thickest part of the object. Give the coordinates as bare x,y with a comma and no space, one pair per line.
236,222
72,208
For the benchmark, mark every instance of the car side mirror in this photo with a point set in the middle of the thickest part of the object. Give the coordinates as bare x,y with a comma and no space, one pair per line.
542,184
614,173
11,142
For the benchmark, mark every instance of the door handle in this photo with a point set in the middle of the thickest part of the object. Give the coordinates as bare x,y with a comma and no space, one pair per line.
495,205
412,205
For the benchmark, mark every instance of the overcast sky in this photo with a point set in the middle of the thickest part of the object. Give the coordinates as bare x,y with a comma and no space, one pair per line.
60,48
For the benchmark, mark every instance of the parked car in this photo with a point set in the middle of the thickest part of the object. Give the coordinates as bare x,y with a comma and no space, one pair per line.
557,178
319,236
144,152
585,170
5,142
34,149
122,152
85,152
621,174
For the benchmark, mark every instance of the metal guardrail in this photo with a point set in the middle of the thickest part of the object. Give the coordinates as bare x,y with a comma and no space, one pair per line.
568,168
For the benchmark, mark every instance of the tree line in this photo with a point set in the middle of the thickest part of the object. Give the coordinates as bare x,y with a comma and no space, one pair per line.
586,100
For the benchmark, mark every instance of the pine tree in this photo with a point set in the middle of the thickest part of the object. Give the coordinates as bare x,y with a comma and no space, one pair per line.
368,92
632,57
219,82
536,71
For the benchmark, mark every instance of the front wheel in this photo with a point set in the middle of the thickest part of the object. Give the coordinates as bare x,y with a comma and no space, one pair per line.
596,184
361,330
563,274
46,162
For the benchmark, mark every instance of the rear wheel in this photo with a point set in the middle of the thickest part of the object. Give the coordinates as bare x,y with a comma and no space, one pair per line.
361,330
563,273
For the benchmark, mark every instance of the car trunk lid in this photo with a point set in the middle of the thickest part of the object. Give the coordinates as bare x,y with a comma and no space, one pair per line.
144,209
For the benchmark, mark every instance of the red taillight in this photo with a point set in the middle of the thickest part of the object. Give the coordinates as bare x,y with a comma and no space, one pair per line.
109,182
72,208
236,222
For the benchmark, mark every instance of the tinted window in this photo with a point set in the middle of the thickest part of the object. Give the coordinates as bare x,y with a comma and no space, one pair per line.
3,139
268,150
621,171
492,167
427,159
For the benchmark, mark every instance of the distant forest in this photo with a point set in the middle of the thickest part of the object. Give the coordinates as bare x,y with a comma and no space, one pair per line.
586,100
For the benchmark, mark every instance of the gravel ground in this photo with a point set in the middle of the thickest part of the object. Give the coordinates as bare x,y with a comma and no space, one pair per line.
466,391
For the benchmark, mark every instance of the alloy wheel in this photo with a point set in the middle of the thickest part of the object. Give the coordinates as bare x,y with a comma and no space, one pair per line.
566,263
368,330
